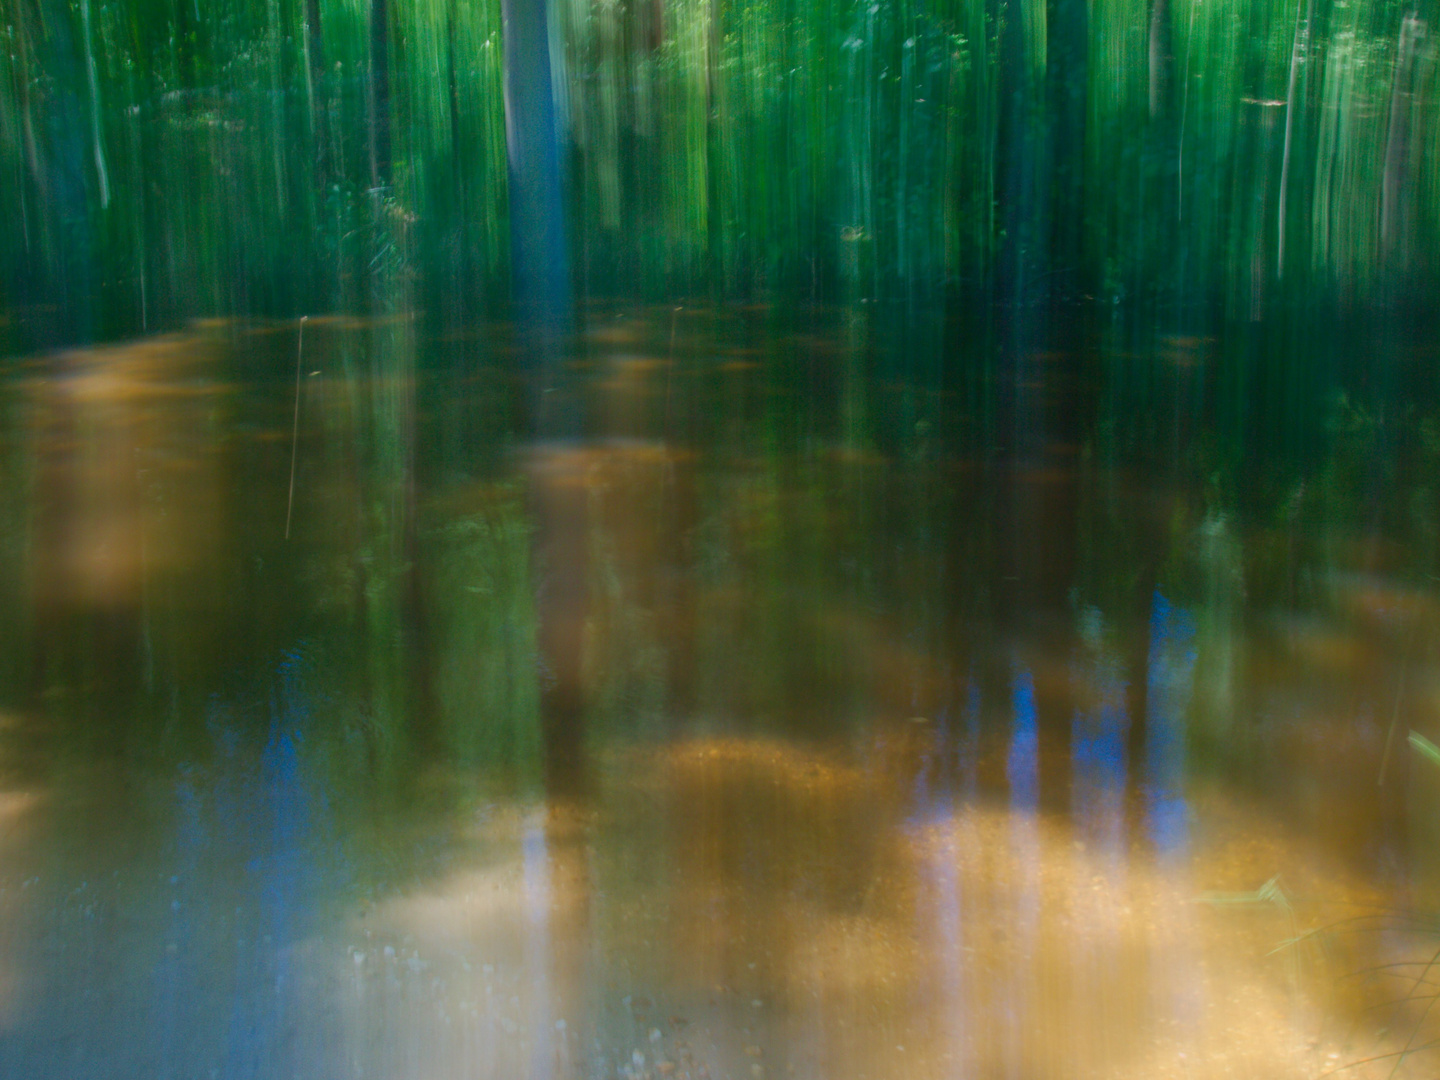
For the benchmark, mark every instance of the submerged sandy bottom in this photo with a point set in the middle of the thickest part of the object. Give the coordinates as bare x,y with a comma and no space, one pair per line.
718,909
734,909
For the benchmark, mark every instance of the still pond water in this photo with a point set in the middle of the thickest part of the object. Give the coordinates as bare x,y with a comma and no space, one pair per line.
349,733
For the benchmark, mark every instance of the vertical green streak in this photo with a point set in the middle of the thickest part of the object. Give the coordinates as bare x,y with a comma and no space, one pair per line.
1231,158
99,150
1296,54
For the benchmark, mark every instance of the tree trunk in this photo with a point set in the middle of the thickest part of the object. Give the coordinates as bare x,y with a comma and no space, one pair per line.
379,93
537,225
1162,59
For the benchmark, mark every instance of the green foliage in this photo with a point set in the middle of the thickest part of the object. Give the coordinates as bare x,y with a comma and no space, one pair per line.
162,160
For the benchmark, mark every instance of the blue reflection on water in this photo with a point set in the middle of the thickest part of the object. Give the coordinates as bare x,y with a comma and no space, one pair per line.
1171,677
1023,768
535,856
1023,764
1099,732
278,818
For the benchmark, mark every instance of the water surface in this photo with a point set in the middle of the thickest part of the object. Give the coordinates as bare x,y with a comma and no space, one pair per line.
774,713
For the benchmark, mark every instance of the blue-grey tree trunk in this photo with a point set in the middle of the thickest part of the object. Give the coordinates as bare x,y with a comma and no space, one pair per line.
537,218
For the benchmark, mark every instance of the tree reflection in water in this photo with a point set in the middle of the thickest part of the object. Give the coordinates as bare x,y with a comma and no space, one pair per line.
619,756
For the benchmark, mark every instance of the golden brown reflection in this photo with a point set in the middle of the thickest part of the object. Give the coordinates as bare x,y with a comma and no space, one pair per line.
127,480
746,908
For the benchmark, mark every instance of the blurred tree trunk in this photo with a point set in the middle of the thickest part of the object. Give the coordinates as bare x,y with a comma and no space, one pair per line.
1067,73
1393,216
537,224
379,93
714,110
560,557
1019,285
1159,235
1019,160
559,503
1162,59
314,80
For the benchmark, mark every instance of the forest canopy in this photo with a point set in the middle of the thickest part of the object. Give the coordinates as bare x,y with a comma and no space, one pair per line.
165,159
